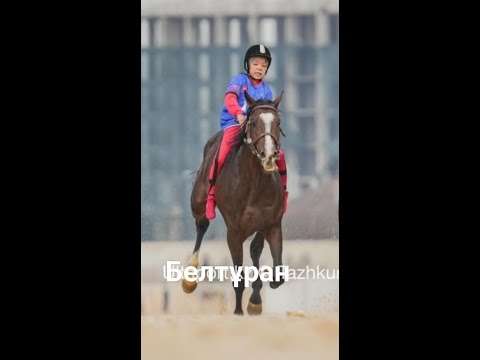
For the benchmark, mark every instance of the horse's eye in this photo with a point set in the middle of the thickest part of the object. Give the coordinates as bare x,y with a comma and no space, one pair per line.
253,125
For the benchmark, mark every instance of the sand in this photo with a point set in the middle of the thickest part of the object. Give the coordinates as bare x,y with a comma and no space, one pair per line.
230,337
299,321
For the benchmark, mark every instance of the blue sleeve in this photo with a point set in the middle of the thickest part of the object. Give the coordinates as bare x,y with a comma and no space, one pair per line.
268,94
236,85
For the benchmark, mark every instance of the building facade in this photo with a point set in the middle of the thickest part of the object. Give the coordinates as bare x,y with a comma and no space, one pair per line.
190,50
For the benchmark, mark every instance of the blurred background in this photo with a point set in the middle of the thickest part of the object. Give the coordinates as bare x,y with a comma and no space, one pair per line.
190,49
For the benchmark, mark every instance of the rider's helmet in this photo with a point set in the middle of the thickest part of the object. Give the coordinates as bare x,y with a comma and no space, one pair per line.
257,50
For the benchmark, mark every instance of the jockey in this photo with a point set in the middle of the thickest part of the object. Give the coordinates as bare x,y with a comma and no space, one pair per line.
256,63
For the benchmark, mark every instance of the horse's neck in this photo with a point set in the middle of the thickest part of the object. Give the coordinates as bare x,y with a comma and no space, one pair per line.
250,169
252,182
248,163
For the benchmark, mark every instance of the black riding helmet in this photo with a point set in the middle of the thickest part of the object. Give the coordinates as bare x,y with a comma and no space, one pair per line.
257,50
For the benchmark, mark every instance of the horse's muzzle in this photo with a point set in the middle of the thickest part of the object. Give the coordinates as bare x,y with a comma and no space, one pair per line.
269,165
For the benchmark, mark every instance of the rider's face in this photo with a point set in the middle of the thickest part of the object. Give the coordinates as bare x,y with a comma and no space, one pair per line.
258,67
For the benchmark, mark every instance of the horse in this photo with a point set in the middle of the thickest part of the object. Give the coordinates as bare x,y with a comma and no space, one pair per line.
249,195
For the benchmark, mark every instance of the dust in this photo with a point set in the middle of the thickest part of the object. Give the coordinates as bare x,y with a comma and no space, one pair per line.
236,337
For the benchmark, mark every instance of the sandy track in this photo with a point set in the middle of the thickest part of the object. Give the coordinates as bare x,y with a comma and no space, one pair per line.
230,337
201,325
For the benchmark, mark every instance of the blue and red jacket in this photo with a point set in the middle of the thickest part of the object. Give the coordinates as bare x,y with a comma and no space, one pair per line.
237,86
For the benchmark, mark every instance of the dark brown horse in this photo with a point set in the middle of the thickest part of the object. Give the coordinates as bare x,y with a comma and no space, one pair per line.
249,195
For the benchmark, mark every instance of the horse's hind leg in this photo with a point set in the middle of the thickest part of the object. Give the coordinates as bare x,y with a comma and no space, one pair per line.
202,226
255,304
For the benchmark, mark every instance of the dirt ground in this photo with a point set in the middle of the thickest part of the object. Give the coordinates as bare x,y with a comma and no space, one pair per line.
299,321
233,337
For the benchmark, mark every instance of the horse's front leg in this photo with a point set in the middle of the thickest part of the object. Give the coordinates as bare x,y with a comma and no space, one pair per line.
235,244
255,303
275,240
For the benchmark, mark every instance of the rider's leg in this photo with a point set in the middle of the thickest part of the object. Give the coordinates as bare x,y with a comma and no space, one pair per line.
282,168
225,147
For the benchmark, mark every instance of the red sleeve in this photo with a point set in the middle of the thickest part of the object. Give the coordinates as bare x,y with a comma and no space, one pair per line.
232,104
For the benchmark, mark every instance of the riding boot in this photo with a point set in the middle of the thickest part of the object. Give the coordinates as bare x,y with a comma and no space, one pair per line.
282,168
210,209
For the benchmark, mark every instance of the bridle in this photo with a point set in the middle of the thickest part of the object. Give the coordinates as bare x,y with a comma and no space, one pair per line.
251,142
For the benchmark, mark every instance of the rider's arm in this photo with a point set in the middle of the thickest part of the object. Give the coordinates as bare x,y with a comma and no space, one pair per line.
232,104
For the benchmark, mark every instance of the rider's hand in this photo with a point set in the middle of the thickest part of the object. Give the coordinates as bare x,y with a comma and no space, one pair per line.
241,119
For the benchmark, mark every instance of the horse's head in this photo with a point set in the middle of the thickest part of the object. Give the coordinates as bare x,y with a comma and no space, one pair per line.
262,130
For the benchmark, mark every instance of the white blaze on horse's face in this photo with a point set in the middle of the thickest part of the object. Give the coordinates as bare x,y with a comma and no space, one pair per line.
268,162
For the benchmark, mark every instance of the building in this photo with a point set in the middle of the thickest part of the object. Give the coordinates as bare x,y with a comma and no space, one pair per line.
190,49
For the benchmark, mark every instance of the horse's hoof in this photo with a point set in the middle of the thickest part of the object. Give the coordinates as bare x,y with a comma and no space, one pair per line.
189,286
276,284
254,309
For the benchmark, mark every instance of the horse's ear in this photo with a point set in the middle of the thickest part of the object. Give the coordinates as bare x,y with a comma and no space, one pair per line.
276,102
249,99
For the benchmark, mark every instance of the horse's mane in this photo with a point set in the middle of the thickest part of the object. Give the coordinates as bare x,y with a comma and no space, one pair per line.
237,142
